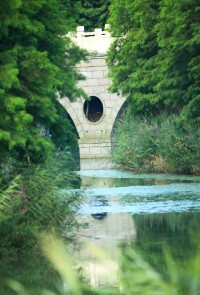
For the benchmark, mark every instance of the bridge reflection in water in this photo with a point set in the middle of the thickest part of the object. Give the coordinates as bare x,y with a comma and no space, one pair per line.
98,252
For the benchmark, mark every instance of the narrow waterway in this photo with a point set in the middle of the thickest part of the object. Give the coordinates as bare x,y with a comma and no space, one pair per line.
150,212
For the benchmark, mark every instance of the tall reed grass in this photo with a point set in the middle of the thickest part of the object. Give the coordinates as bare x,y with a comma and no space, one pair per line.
162,144
32,200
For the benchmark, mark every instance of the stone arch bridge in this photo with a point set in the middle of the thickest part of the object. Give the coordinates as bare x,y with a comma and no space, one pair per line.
94,120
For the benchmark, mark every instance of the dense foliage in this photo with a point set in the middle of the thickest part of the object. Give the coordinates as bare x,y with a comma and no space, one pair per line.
154,60
94,14
37,63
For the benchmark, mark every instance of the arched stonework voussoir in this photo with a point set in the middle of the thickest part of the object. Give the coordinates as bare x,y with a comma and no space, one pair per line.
73,114
117,106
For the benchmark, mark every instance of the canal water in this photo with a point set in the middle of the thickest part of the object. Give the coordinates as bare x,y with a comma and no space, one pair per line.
153,213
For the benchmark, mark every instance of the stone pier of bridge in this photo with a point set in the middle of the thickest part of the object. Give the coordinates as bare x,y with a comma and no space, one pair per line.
94,119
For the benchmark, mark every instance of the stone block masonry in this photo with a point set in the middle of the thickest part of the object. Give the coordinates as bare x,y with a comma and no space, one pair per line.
94,120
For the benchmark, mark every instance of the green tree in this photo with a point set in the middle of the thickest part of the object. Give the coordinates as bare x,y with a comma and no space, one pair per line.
37,63
94,14
154,60
132,57
179,56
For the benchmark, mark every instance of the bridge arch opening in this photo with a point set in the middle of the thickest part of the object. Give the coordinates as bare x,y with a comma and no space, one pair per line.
118,120
65,136
93,109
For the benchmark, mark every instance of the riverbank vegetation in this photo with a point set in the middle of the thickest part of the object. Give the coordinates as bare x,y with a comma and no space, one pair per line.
32,202
159,144
154,62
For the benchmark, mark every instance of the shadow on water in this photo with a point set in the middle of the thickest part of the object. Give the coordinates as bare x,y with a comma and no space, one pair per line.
176,233
99,201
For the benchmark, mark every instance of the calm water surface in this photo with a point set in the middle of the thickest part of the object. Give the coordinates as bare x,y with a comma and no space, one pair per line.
150,212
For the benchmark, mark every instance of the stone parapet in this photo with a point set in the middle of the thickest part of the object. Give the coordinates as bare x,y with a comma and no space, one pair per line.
98,41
